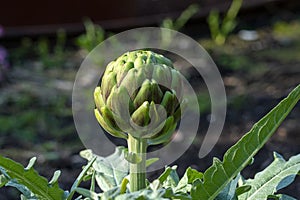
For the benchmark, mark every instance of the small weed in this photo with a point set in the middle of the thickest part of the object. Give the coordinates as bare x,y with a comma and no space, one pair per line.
178,23
220,29
93,36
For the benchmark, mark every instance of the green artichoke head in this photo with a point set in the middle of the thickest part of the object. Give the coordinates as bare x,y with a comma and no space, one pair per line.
140,94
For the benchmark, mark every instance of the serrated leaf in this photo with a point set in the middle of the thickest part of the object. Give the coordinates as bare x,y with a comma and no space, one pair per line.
277,175
239,155
37,184
185,183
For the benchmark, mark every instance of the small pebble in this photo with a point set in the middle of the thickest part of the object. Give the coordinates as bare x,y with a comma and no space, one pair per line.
248,35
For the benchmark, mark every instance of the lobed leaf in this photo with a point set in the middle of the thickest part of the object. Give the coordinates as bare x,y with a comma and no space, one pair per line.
111,170
28,180
277,175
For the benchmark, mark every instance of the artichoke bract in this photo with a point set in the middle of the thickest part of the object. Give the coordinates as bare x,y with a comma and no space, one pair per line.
140,94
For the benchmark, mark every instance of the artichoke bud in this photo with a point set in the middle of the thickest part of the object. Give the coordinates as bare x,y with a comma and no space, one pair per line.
140,94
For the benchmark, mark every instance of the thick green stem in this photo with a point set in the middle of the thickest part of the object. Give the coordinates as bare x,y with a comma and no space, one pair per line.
137,170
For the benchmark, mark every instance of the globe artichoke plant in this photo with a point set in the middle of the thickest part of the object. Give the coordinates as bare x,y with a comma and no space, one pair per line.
139,99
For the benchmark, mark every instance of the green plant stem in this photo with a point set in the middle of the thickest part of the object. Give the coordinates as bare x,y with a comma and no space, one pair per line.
137,168
80,178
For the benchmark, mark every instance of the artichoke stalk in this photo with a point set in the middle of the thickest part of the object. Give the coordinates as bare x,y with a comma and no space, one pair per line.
139,99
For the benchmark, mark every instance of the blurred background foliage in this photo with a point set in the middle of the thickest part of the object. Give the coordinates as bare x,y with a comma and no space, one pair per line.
257,51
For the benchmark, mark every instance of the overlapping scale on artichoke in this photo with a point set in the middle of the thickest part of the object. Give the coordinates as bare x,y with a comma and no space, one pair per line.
140,94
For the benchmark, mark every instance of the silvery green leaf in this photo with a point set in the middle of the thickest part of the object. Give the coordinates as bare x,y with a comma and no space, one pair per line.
87,193
22,188
110,194
111,170
277,175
